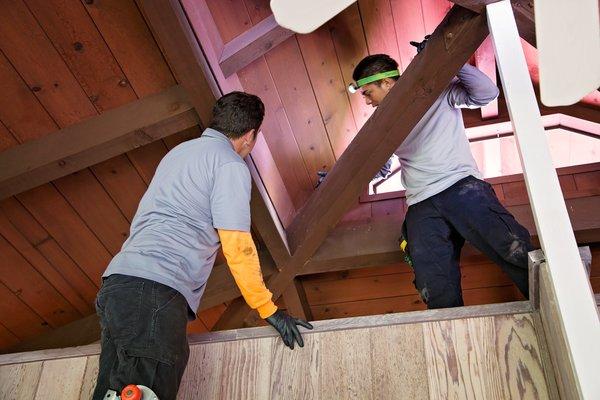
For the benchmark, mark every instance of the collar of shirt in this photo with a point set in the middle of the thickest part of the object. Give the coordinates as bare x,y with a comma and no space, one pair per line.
214,134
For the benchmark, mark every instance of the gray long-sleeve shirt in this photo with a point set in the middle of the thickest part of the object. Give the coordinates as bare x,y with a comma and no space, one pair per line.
436,154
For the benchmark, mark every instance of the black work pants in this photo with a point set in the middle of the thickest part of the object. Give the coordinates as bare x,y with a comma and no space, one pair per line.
144,339
437,228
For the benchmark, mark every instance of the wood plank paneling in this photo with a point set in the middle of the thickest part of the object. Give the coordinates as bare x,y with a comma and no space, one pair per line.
89,377
17,317
503,350
521,361
393,349
73,33
204,373
123,28
126,33
76,38
20,381
31,53
346,365
27,226
320,58
301,106
378,24
61,379
476,357
101,215
408,21
351,47
41,264
385,305
20,111
327,292
122,182
434,12
31,287
66,227
7,140
256,79
7,338
295,374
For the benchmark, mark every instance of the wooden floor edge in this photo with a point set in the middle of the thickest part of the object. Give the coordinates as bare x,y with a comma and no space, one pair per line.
517,307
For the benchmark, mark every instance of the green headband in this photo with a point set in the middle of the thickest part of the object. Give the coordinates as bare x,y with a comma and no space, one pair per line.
373,78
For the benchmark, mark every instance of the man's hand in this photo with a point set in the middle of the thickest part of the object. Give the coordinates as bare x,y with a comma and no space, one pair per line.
286,326
421,45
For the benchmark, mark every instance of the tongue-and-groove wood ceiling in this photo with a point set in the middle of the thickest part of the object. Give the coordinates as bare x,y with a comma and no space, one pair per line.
65,61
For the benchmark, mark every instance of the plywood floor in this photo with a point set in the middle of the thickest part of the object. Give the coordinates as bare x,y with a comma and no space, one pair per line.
478,358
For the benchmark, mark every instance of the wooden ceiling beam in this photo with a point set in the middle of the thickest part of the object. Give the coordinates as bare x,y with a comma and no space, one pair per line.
95,140
523,10
252,44
375,242
171,28
449,48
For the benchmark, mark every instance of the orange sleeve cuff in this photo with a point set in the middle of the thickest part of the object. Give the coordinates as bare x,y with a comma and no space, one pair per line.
242,258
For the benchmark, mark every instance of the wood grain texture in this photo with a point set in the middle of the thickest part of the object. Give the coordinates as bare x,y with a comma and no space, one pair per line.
89,377
94,140
252,44
203,373
296,374
555,336
345,181
19,381
521,362
346,365
61,379
399,368
491,358
473,358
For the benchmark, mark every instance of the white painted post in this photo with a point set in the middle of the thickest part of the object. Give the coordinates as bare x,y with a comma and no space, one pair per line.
572,288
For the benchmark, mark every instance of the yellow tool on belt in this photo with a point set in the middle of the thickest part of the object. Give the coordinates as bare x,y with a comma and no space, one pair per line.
404,247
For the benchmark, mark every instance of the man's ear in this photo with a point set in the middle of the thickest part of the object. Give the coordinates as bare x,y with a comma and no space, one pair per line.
388,83
249,136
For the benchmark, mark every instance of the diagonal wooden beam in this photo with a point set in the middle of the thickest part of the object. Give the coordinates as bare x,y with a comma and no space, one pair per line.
252,44
95,140
523,10
477,6
448,49
171,28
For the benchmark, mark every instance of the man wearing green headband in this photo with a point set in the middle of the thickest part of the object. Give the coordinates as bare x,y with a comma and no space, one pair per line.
447,198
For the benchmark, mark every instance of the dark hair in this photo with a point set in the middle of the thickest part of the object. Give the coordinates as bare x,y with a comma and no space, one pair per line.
374,64
237,113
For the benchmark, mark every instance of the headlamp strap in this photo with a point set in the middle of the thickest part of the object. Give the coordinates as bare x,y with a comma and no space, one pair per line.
377,77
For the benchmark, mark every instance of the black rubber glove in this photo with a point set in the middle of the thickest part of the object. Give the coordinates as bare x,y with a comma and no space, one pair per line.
286,326
421,45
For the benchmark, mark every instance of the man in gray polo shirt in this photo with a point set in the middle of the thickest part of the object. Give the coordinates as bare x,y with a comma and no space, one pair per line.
448,201
198,200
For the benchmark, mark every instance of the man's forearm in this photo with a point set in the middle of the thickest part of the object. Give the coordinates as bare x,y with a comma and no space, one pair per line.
242,258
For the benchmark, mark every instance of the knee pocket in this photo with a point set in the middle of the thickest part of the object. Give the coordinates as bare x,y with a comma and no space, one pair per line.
438,292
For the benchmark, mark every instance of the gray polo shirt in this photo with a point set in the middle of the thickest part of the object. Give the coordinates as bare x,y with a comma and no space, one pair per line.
199,186
436,154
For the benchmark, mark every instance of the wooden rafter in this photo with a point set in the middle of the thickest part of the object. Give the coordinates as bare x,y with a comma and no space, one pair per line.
523,10
252,44
94,140
450,46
